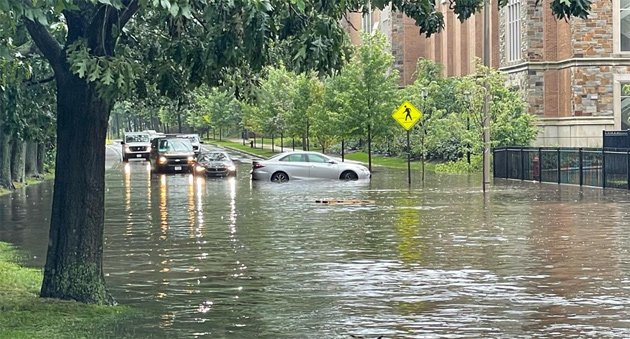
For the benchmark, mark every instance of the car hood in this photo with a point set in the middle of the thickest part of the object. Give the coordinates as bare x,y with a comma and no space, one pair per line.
173,154
130,144
215,163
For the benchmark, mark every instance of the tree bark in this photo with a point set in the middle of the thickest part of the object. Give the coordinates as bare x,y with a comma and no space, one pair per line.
74,267
41,157
30,163
5,160
18,150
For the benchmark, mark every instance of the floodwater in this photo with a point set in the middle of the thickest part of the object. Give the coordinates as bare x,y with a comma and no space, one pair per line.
234,258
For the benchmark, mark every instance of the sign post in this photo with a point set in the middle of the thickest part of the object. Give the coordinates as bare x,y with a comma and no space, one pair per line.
407,116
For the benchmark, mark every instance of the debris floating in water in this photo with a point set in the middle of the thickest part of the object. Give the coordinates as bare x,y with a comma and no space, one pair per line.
344,201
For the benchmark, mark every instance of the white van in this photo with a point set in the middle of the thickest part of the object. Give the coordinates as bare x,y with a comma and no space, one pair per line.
136,145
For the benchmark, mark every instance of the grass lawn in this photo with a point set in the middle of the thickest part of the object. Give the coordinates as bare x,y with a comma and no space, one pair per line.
265,153
23,314
391,162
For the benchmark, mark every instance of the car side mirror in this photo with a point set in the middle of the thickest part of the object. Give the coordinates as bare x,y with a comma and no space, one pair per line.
201,141
332,162
122,142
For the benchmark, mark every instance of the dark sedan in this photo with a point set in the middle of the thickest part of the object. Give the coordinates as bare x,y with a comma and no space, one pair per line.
215,164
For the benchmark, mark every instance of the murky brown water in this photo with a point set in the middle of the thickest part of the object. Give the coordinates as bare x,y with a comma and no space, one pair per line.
232,258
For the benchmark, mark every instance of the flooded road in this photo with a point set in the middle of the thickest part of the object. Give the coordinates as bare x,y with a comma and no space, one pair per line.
241,259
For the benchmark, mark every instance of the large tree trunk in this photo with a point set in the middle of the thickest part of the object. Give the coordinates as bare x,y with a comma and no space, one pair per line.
30,163
5,160
41,157
17,160
74,268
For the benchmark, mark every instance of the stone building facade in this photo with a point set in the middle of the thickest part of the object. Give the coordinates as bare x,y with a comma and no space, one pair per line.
571,73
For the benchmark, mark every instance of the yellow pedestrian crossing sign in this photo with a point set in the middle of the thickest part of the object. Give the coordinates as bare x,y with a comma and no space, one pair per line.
407,115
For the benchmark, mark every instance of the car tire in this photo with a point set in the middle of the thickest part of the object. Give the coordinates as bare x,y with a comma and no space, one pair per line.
279,177
349,176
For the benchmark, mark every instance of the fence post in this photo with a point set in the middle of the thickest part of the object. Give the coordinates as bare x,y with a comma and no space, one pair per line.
558,163
540,166
522,165
581,157
495,151
603,167
507,162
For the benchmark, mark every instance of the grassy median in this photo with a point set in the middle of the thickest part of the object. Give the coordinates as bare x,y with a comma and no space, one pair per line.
377,160
23,314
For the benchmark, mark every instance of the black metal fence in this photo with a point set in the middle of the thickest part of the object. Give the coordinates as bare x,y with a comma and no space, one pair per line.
616,139
603,167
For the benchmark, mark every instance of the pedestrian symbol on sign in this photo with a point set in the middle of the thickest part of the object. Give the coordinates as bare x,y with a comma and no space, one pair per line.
408,113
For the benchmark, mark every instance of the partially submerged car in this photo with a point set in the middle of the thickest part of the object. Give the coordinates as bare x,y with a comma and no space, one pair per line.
135,145
171,155
304,165
215,164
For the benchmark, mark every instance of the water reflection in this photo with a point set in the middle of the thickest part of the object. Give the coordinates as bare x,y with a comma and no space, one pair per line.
229,257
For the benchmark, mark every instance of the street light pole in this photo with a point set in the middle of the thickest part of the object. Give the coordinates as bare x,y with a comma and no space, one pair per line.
486,117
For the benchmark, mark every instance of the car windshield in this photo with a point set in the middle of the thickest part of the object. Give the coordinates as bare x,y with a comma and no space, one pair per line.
137,138
216,157
175,145
192,138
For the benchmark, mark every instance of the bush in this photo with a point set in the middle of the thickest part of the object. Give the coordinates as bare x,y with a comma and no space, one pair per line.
461,166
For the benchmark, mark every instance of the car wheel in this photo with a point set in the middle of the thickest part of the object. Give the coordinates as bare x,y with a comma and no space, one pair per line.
279,177
349,175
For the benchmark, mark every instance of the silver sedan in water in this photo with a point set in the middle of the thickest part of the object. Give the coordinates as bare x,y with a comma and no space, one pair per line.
303,165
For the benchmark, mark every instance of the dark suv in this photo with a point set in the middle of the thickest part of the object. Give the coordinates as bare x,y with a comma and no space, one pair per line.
171,155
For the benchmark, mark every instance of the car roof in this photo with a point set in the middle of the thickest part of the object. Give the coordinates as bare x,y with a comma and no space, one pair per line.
300,152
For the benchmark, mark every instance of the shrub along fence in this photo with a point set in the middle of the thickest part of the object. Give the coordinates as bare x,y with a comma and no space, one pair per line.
599,167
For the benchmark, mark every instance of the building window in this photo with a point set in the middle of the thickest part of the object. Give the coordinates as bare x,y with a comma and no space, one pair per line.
367,22
625,106
513,38
624,25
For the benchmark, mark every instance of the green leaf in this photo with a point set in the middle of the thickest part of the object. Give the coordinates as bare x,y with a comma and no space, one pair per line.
174,9
81,68
108,77
186,12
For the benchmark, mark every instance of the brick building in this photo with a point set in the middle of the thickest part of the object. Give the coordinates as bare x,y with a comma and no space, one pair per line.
571,73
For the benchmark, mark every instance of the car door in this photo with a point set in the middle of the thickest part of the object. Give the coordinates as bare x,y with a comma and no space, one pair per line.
295,165
322,167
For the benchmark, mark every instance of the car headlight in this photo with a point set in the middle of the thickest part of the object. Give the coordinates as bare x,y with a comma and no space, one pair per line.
231,168
191,159
127,149
162,160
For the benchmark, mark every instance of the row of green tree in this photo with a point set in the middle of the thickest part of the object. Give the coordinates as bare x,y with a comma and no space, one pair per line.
26,115
355,104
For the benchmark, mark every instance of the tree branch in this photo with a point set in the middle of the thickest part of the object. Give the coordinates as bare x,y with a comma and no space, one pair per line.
132,6
46,43
31,82
350,23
